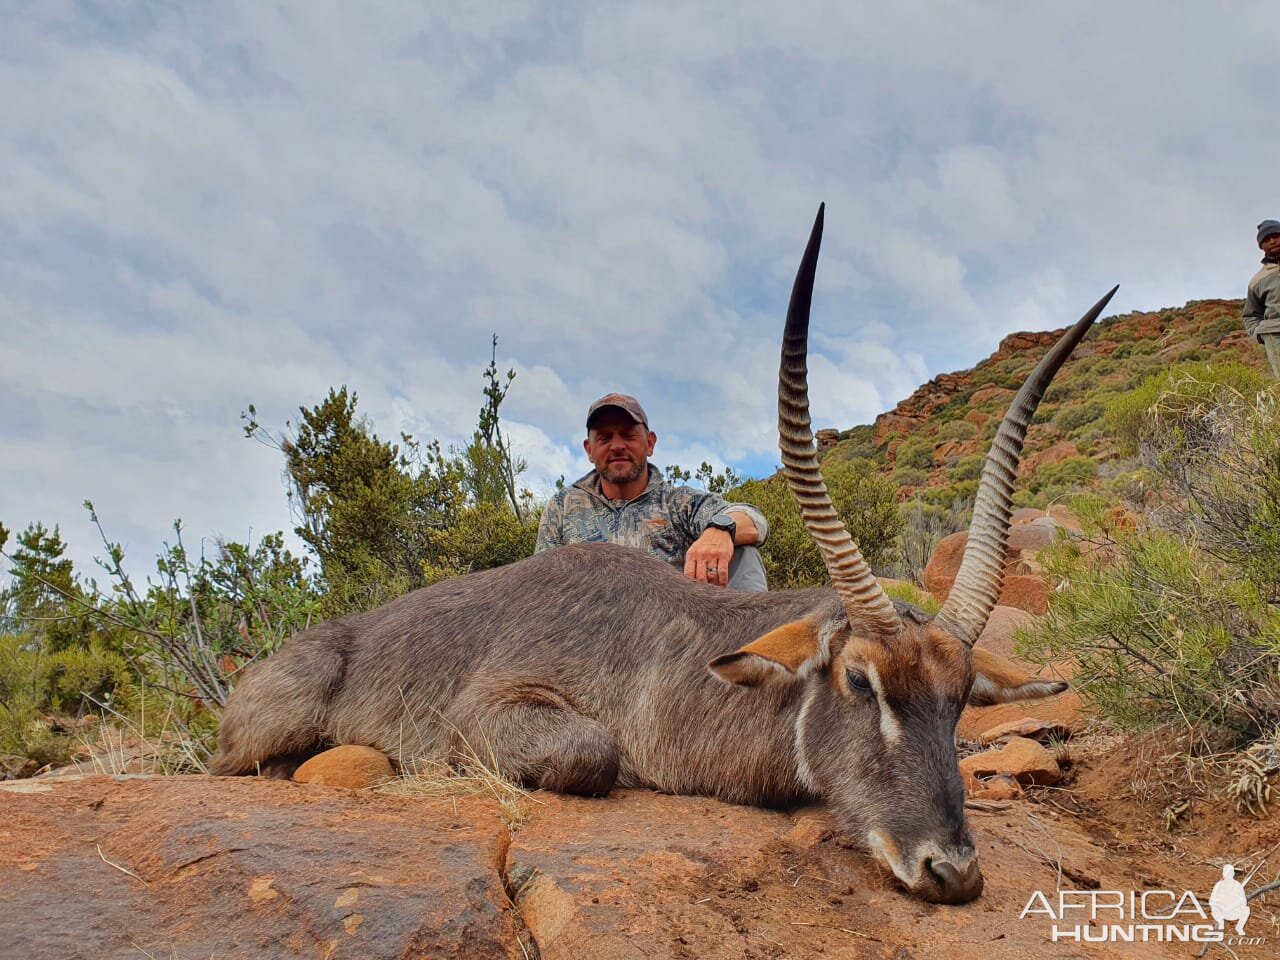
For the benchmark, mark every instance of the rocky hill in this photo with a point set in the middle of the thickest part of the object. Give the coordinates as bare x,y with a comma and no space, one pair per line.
932,443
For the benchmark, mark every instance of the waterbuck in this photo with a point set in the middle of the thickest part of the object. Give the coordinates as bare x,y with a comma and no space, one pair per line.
593,666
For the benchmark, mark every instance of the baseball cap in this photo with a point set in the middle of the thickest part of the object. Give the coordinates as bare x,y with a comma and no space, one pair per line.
628,405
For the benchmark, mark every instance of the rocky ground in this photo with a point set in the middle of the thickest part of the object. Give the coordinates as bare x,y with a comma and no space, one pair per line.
197,867
136,866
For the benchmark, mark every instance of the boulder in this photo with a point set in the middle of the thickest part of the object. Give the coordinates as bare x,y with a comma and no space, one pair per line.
351,767
1055,454
1021,759
109,867
984,395
1065,709
1024,585
1030,728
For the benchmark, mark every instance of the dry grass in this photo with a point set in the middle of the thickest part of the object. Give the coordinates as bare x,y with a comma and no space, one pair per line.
125,746
422,777
474,774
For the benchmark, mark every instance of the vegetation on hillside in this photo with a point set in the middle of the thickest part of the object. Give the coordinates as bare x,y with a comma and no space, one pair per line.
1175,617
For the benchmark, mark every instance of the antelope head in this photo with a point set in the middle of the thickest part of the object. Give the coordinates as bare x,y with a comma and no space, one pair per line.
883,684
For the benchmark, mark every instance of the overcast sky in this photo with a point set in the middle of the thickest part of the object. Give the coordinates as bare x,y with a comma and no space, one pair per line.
211,205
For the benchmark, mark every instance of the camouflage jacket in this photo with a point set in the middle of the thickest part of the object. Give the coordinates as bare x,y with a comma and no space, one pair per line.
663,521
1261,311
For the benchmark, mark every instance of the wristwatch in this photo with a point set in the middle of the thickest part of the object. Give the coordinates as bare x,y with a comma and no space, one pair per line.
722,521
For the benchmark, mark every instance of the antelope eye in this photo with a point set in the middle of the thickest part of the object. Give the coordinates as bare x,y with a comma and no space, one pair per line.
858,682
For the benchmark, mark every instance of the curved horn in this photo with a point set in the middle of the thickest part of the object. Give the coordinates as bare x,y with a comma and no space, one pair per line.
981,572
859,591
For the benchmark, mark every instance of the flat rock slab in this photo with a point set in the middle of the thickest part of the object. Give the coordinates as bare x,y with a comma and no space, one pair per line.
644,876
191,868
195,867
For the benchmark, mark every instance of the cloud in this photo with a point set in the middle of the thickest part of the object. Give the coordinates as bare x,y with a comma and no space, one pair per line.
254,204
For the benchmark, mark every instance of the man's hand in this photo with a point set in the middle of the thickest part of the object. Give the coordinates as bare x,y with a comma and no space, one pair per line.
708,558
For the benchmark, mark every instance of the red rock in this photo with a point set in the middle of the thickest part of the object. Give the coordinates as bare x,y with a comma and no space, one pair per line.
984,395
240,867
1065,708
1041,731
997,635
948,452
940,572
1055,454
999,787
1024,760
1026,592
352,767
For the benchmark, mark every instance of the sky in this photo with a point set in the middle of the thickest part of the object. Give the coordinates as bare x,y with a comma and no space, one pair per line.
207,206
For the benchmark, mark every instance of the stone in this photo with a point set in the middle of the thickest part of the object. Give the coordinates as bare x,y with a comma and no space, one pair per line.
1041,731
997,635
1055,454
352,767
984,395
1024,760
109,867
1000,787
1066,709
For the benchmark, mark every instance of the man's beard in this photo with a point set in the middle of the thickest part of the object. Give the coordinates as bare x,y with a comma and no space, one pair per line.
621,473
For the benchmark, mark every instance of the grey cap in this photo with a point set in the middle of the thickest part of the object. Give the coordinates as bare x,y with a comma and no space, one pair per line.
1268,228
628,405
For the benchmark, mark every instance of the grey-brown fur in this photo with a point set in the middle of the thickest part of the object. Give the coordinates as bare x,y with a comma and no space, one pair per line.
564,667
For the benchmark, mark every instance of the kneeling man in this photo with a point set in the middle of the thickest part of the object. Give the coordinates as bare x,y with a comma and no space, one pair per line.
625,500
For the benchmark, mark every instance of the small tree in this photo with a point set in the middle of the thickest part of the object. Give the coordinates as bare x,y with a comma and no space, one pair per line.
864,502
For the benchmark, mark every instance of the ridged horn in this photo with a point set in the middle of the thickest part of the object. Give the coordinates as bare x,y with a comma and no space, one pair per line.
981,574
861,594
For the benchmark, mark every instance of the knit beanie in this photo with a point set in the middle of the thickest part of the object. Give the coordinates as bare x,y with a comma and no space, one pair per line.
1268,228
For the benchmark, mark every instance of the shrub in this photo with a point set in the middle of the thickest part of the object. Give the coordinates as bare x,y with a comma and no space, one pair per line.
1183,389
858,443
1073,472
910,477
864,502
1179,620
925,523
1075,416
956,430
968,468
916,453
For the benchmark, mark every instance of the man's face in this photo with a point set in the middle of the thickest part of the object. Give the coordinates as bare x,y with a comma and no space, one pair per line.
618,447
1271,245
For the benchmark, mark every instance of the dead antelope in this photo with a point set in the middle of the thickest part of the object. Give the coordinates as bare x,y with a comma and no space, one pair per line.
586,667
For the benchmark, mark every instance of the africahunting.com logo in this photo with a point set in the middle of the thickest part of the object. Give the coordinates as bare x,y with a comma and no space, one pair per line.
1147,916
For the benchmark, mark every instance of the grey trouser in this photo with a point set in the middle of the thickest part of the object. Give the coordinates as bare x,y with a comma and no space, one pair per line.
746,571
1270,343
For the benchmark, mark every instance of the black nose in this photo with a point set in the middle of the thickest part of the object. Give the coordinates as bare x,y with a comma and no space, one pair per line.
953,884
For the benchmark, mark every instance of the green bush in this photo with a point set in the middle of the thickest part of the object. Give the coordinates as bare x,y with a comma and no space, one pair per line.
1074,416
1179,620
956,430
910,477
858,443
1072,472
968,468
1132,416
917,453
925,523
864,502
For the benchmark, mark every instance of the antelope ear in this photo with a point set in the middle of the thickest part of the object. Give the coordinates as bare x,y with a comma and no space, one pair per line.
785,655
998,680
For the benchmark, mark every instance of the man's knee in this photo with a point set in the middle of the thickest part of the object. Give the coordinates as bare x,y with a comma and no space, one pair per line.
746,571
